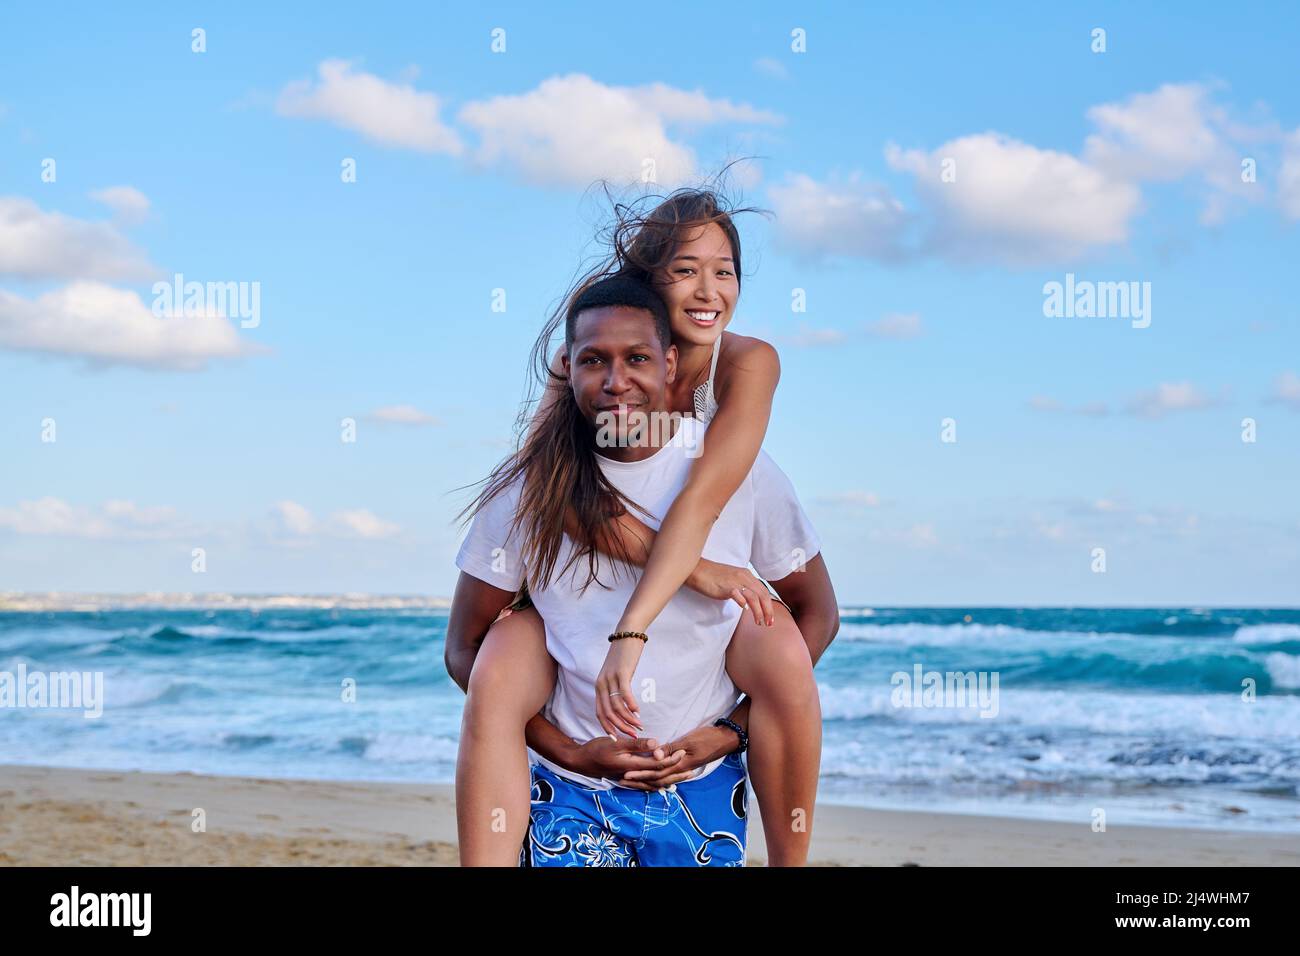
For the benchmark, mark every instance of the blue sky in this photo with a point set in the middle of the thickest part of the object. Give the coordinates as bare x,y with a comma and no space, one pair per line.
473,167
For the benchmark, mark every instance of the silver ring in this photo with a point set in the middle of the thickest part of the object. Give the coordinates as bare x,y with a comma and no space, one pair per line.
617,693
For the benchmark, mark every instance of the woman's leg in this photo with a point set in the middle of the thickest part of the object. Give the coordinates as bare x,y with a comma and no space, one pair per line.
512,679
772,665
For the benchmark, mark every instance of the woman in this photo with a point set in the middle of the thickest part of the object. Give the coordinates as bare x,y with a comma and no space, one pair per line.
689,250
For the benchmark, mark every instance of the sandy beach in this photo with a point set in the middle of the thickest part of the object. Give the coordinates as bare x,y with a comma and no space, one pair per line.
59,816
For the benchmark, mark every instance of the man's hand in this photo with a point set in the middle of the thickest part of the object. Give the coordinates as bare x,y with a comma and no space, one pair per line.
699,747
604,757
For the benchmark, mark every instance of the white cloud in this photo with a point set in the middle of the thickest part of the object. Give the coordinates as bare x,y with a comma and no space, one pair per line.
1015,203
128,203
809,337
364,524
1019,204
1052,531
1159,136
689,107
109,326
1286,390
1167,135
115,519
1168,397
292,524
897,325
35,244
852,499
1153,403
1044,403
842,219
569,130
293,518
572,129
393,114
402,415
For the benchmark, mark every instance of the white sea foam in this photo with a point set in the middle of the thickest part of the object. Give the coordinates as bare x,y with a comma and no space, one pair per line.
1181,715
1266,633
1284,669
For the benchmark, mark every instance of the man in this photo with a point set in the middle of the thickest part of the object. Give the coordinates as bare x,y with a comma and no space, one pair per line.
619,356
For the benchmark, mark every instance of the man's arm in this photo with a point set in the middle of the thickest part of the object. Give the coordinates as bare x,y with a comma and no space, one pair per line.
816,611
474,607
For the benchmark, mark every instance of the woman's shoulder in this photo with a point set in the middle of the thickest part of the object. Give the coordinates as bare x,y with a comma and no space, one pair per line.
747,355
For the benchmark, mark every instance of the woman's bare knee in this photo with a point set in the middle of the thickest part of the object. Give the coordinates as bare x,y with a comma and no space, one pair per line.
772,661
513,673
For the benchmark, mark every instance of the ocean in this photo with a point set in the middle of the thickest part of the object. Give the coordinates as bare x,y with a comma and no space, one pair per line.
1177,716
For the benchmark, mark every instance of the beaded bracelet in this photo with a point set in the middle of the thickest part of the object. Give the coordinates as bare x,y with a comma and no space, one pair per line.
744,737
621,634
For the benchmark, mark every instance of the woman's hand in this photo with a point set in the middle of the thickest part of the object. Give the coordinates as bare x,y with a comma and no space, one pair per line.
611,759
697,748
725,582
615,706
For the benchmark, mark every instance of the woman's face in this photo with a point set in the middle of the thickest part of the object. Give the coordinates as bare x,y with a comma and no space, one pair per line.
700,287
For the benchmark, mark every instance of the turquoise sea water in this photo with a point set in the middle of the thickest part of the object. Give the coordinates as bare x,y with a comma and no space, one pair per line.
1139,712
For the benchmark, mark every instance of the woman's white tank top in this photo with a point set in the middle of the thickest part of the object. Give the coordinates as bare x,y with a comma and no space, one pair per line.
706,404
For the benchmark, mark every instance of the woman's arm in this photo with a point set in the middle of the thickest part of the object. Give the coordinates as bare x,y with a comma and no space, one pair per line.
730,447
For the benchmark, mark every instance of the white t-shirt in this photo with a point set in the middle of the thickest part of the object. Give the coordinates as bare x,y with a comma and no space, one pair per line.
681,680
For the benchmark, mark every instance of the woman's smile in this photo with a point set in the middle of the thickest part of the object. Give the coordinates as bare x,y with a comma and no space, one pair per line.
704,318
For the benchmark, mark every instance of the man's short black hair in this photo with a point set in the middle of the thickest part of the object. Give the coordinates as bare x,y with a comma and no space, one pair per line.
620,290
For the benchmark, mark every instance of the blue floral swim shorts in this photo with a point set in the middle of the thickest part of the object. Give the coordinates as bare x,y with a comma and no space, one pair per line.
700,823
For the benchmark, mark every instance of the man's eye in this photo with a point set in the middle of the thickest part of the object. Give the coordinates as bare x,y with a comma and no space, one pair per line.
724,272
640,356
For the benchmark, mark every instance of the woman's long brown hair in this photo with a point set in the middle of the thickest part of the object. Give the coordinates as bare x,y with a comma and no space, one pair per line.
556,459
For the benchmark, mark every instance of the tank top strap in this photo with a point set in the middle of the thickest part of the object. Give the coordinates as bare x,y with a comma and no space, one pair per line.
713,365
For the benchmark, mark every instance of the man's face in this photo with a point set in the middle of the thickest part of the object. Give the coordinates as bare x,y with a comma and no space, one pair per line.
617,365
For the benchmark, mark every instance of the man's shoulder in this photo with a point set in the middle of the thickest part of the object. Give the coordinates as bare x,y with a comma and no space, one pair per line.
504,501
768,477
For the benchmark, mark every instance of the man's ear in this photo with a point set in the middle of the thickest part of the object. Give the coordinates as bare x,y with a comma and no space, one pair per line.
670,357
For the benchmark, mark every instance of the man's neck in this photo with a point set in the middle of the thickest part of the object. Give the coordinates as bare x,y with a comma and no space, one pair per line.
692,368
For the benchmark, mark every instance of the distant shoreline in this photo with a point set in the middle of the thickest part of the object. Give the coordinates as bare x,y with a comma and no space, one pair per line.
219,600
210,601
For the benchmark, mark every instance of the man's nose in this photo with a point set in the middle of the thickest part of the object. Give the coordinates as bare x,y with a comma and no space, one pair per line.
616,379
